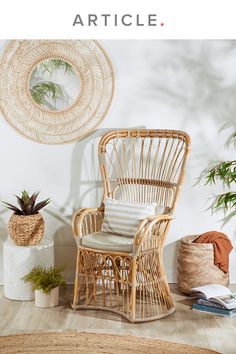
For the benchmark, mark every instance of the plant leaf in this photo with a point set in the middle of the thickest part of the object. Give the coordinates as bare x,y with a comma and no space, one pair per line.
45,279
33,198
40,205
13,208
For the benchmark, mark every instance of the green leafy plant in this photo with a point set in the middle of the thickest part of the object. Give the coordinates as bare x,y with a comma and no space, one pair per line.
224,172
45,279
47,90
27,204
44,91
51,65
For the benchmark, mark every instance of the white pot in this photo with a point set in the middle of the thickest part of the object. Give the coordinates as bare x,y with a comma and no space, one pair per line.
47,300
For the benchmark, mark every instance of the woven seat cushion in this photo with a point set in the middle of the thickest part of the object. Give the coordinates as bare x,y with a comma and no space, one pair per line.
106,241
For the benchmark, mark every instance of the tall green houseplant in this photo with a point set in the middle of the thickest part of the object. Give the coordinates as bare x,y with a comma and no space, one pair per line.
224,172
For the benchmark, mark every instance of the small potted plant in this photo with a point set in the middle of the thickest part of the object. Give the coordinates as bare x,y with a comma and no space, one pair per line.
45,284
26,225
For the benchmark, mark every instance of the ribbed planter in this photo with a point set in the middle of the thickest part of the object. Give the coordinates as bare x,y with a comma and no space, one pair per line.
26,230
47,300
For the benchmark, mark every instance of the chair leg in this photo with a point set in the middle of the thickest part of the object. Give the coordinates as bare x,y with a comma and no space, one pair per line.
133,289
76,285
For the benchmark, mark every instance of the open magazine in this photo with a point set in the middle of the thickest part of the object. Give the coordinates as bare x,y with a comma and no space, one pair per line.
215,294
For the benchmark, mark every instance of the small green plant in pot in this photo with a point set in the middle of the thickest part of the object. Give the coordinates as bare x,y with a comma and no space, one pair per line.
45,283
26,225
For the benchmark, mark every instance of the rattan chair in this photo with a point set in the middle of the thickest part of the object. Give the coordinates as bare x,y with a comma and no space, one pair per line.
137,166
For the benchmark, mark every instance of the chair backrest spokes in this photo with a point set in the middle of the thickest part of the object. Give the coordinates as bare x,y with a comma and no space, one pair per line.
143,165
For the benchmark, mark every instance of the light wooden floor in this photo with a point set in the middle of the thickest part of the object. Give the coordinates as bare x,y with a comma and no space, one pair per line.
184,326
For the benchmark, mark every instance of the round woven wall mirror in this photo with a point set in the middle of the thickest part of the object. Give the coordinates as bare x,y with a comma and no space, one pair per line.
55,91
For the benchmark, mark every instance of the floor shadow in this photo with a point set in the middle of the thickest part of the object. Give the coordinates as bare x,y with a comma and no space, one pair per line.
187,301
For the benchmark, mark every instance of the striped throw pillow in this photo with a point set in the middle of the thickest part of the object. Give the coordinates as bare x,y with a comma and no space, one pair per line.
122,218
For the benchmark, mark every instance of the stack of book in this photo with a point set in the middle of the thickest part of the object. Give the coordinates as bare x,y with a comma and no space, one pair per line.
214,298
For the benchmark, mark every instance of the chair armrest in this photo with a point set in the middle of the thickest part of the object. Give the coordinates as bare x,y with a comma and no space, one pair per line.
151,232
86,221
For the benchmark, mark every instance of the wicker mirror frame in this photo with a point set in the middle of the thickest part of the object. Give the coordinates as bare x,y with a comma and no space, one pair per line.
94,68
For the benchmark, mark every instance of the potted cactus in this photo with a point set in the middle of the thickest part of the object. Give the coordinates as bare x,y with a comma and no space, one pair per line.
45,283
26,225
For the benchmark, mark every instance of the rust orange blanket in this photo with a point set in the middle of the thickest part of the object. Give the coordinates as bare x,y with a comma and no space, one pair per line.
222,247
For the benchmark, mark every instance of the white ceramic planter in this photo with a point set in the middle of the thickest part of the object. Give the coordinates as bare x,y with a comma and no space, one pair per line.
47,300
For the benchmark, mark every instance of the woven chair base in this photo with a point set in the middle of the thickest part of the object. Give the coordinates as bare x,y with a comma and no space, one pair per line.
118,312
122,285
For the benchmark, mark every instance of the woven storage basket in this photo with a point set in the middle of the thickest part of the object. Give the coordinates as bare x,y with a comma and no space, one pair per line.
26,230
196,265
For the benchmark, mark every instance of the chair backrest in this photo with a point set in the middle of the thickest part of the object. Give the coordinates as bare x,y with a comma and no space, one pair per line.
143,165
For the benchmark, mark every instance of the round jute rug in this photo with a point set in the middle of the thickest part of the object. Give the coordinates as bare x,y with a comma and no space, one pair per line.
91,343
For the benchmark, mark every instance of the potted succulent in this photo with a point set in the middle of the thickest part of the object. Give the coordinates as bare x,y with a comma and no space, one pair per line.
26,225
45,284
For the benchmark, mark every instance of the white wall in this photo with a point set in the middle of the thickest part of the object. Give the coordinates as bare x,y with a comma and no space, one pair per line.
188,85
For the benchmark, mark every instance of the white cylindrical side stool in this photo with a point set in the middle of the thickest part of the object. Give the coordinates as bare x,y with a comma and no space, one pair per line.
19,261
